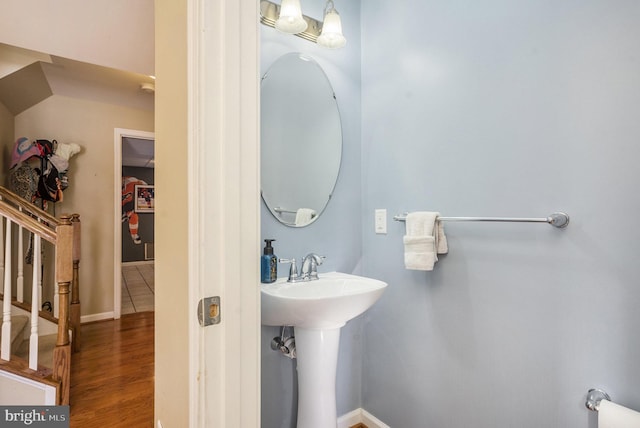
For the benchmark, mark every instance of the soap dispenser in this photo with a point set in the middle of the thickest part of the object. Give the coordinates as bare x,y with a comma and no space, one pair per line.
268,264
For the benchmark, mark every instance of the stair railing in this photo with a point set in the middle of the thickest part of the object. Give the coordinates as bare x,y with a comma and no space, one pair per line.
64,276
64,234
74,308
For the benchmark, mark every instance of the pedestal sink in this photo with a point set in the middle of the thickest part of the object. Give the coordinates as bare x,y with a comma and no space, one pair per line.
317,310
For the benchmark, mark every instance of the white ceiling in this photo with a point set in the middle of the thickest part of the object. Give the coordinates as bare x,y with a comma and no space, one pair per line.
13,58
28,77
113,33
137,152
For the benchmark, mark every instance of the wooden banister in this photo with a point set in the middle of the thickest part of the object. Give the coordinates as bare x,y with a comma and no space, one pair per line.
64,276
64,234
14,199
62,352
74,309
28,222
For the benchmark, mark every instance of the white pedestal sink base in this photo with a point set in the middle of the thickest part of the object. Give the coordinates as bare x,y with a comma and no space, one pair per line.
317,310
317,361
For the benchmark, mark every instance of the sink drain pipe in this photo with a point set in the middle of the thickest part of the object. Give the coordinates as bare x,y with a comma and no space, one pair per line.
285,344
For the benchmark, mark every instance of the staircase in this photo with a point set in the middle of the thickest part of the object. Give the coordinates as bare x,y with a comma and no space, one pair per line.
35,346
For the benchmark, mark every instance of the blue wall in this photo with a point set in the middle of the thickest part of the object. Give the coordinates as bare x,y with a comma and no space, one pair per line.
502,108
336,234
498,108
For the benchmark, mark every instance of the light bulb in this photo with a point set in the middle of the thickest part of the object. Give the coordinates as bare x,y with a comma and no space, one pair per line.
290,20
331,36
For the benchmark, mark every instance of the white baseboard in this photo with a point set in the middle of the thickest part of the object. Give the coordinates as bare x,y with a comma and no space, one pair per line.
96,317
350,419
360,416
371,421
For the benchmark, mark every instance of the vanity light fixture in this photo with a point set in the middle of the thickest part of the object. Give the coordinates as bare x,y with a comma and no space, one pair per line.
290,19
331,36
271,13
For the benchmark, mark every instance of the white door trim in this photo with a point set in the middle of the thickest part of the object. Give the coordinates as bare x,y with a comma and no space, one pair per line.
224,210
118,133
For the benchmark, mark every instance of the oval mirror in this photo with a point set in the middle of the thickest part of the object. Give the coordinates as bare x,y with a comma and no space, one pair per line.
301,140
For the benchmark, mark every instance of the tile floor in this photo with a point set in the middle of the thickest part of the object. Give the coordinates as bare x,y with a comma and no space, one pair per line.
137,288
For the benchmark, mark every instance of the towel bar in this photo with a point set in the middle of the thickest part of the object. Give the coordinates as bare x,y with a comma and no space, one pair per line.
283,210
559,219
594,397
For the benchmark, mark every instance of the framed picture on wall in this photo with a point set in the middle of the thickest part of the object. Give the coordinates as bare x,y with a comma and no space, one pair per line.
144,198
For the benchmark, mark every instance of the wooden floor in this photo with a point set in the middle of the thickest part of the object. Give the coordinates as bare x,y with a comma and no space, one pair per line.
112,376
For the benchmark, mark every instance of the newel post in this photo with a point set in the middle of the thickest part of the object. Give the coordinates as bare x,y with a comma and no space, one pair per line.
64,276
74,309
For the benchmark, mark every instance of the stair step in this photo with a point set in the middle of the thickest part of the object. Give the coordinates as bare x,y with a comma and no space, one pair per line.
18,324
20,328
45,350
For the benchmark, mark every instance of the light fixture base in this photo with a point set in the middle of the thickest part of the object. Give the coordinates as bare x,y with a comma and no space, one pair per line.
149,88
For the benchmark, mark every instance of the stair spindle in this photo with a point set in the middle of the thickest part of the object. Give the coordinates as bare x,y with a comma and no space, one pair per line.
20,279
1,247
5,351
35,308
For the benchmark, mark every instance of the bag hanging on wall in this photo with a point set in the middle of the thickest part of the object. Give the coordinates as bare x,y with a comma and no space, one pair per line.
46,147
49,185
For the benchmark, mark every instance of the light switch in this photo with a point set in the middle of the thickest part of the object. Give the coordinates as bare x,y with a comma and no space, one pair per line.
381,221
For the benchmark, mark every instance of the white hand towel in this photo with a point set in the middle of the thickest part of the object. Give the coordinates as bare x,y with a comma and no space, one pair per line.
304,216
612,415
443,247
418,252
420,246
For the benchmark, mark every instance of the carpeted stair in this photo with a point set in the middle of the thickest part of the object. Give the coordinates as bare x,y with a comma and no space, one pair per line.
20,328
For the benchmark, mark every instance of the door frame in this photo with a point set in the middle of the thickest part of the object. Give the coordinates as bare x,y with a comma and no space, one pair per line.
118,134
224,210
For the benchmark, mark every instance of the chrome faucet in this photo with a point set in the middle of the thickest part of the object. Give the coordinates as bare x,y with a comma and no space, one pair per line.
310,263
293,269
309,269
